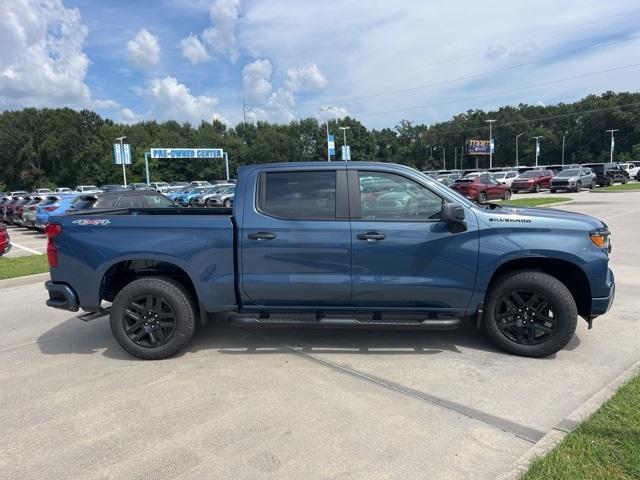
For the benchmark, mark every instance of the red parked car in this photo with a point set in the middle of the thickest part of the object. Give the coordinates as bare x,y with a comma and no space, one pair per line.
5,241
481,188
532,181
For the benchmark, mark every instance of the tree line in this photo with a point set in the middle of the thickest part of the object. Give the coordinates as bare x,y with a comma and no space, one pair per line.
64,147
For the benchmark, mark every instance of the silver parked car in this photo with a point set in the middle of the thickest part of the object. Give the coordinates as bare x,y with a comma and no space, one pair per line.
202,200
222,199
573,179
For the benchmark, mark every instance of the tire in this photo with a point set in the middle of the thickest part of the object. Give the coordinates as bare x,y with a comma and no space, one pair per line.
552,190
507,195
175,301
537,188
578,186
550,338
593,185
482,197
227,203
624,180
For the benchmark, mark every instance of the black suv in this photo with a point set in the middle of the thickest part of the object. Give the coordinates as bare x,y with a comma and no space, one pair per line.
123,199
608,173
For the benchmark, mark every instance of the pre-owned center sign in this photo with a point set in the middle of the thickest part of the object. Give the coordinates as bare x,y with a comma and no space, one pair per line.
187,153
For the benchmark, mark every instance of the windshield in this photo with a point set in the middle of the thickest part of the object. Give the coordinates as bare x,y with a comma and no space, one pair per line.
531,174
569,173
500,176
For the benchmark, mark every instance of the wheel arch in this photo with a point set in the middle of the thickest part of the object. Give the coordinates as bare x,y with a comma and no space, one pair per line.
570,274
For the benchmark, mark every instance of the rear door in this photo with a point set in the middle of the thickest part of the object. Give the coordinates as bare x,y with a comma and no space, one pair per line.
295,243
404,256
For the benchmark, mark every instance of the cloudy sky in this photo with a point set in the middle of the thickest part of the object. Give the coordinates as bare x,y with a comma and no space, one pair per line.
380,61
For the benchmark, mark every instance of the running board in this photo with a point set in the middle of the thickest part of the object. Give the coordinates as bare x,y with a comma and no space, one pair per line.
395,323
87,317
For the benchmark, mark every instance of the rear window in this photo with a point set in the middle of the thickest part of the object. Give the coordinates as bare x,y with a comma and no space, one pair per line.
531,174
298,195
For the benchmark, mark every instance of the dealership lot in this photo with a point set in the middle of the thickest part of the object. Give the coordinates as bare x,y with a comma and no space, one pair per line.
299,403
26,242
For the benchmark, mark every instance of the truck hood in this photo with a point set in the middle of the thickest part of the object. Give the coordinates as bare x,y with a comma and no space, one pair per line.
553,217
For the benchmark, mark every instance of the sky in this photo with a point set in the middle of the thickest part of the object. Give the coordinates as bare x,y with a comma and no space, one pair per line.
377,61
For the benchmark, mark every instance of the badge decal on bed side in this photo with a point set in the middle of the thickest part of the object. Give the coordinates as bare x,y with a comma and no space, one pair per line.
92,222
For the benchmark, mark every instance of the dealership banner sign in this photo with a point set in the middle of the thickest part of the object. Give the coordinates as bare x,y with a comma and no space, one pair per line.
479,147
175,153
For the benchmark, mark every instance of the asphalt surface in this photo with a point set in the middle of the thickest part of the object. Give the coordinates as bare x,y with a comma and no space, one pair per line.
306,404
26,242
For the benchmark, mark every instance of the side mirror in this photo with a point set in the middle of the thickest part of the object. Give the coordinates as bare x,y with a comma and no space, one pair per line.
503,183
453,214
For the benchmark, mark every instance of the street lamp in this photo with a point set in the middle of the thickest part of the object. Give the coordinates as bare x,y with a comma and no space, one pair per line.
346,154
124,171
537,147
517,156
612,141
490,122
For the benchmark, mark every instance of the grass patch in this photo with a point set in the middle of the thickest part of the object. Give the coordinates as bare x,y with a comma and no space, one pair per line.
605,446
21,266
620,188
533,201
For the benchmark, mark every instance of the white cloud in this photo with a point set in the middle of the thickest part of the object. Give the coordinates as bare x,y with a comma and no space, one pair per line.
280,106
129,116
105,104
144,49
219,38
306,78
42,62
173,101
256,79
194,50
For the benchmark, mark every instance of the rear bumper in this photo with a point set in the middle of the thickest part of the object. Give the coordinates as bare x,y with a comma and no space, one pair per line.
61,296
601,305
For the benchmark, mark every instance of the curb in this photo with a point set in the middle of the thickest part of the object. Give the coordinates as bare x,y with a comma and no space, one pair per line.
637,190
25,280
570,422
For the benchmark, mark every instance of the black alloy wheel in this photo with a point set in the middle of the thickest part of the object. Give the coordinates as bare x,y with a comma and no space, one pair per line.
525,317
149,321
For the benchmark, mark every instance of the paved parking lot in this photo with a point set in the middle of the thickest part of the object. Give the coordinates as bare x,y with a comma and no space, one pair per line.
310,404
26,242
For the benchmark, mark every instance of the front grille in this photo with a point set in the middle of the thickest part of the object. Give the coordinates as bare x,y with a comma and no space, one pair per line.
560,183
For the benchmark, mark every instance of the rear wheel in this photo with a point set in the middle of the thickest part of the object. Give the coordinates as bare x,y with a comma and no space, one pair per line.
482,197
531,314
153,318
227,203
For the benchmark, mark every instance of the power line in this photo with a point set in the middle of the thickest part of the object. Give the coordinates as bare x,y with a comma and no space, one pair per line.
502,92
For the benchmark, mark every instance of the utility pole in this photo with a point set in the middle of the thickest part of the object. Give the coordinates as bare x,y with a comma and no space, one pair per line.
444,156
537,147
226,163
124,170
613,142
244,112
563,138
455,157
517,156
490,122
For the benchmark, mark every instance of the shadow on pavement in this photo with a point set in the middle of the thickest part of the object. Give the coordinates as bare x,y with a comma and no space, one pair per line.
74,337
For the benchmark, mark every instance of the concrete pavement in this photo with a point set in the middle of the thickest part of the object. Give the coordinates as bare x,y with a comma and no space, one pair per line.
311,404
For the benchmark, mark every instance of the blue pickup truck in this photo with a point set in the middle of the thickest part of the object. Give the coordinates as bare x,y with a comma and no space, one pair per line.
334,244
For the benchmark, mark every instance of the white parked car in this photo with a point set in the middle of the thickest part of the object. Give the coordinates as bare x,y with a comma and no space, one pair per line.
63,190
42,191
505,177
632,168
87,189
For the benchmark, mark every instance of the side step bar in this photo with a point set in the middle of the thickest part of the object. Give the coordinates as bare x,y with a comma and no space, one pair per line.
87,317
425,324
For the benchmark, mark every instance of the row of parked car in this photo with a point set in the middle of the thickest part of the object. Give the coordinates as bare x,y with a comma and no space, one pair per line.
502,182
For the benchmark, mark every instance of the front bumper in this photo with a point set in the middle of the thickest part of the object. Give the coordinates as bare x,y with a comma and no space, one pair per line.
61,296
601,305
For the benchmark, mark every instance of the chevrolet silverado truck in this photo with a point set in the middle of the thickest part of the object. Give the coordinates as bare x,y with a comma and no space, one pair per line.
333,244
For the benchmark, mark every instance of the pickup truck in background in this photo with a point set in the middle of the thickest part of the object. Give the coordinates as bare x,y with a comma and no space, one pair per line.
334,244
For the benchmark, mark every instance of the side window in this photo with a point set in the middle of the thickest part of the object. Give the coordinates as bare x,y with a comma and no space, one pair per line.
298,195
387,196
156,201
131,201
493,181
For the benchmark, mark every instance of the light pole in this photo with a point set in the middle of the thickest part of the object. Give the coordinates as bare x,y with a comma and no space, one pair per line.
329,108
563,138
124,171
344,132
490,122
537,147
226,163
517,156
613,142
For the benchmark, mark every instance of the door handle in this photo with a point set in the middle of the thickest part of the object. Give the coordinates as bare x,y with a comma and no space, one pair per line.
261,236
371,236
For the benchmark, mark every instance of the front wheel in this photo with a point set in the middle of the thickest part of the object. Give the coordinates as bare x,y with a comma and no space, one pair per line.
227,203
624,180
153,317
482,197
531,314
507,195
578,186
537,188
593,185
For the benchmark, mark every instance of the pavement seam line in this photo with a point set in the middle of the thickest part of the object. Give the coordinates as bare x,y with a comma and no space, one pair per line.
558,433
523,432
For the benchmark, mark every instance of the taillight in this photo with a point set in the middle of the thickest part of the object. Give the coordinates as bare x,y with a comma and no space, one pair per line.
50,209
52,230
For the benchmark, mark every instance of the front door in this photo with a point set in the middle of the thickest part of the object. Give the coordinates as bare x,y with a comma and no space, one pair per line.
403,255
295,240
